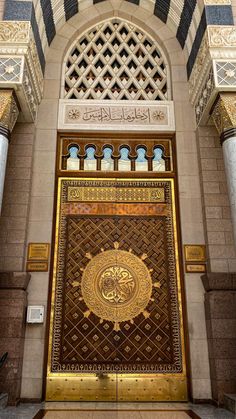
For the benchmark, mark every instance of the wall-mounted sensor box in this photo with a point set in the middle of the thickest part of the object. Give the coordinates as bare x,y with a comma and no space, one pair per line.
35,314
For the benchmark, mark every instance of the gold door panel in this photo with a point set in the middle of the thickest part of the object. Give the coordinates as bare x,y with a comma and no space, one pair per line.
116,329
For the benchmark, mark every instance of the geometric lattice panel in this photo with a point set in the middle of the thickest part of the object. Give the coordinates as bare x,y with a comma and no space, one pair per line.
116,60
149,339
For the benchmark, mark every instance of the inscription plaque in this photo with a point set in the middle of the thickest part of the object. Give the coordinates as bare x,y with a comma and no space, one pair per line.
195,268
38,251
195,253
37,266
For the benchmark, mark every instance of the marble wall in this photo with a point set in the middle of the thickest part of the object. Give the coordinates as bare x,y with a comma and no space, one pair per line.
218,224
15,208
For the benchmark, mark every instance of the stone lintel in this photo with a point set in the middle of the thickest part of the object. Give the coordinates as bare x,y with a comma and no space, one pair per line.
79,115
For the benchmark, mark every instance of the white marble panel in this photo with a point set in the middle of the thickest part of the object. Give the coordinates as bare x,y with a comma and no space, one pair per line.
229,151
3,162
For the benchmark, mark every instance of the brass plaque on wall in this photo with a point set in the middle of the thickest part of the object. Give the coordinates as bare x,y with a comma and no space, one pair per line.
116,329
36,266
195,268
195,253
38,251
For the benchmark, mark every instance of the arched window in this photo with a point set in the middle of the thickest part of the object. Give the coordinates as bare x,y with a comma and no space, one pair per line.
116,60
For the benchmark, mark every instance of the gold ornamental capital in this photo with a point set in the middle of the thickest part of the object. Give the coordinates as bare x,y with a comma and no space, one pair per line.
9,111
20,65
214,70
224,112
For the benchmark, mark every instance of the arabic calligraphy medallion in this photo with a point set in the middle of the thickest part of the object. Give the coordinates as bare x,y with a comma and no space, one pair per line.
116,286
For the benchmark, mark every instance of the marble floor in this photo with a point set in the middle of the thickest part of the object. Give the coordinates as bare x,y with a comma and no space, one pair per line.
66,410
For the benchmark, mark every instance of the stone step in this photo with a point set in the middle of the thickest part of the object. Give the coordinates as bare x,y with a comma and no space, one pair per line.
230,402
3,400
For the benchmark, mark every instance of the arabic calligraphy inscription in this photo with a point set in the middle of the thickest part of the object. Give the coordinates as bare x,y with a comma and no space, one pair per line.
117,115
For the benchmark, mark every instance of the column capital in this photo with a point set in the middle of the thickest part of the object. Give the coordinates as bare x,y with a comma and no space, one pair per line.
9,111
224,115
214,70
20,66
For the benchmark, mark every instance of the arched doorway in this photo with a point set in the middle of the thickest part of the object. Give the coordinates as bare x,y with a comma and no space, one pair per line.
116,329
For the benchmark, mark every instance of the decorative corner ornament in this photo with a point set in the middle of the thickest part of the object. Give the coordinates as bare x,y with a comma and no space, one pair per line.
20,68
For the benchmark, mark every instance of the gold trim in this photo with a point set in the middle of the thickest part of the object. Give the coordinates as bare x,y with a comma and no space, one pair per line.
123,387
224,110
9,110
111,194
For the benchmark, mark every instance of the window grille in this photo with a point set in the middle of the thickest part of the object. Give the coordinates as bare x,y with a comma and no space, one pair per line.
117,61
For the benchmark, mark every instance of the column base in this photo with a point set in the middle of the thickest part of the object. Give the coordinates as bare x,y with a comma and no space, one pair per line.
220,307
13,303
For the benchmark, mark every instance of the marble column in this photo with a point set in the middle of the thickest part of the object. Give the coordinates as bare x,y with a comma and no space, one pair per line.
3,163
229,151
8,115
224,117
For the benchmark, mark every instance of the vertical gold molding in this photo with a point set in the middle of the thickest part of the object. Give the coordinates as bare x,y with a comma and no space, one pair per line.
9,111
224,113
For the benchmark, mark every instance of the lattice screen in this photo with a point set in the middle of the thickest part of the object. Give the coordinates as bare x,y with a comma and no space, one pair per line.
116,60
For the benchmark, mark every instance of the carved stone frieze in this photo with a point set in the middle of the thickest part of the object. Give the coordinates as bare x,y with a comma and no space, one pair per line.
224,112
14,31
200,69
20,67
9,111
222,36
216,56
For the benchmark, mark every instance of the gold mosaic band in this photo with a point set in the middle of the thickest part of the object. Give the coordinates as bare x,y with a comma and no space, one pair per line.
9,111
224,115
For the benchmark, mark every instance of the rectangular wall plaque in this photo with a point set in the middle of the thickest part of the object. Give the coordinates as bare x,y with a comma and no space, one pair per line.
195,253
37,266
195,268
38,251
78,115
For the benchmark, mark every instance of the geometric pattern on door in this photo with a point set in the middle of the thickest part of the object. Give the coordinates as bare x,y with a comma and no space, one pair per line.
150,344
146,344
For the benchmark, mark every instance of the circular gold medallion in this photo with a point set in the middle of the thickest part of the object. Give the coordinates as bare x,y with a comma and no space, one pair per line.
116,285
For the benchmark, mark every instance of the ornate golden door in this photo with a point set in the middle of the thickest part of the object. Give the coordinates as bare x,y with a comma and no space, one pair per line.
116,328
